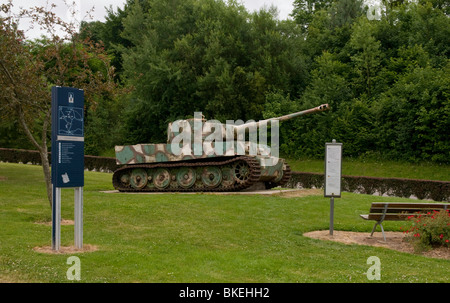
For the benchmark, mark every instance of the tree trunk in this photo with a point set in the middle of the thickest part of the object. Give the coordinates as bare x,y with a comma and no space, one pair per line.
42,148
47,174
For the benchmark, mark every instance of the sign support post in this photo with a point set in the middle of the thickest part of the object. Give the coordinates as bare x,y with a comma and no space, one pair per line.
56,218
78,222
331,215
333,172
67,158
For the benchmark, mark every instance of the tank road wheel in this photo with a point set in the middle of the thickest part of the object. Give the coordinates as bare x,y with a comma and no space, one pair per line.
241,171
138,178
125,180
227,176
161,178
186,177
279,175
211,176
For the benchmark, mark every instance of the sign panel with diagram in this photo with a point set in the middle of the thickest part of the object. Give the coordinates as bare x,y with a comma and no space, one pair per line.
67,137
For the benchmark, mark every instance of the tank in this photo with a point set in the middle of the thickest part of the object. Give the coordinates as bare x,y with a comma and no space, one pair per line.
205,156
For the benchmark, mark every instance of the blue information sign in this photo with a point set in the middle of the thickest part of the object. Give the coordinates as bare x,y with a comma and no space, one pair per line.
67,137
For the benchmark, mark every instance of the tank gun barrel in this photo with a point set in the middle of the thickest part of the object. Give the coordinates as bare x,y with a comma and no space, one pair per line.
320,108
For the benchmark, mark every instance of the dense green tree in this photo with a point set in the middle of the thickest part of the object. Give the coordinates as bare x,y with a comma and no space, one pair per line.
367,56
208,56
414,115
383,105
344,12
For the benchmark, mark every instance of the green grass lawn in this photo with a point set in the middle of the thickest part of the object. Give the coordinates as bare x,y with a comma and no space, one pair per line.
193,238
372,168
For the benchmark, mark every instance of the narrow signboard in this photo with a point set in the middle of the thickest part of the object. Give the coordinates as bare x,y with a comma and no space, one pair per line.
333,175
67,156
333,169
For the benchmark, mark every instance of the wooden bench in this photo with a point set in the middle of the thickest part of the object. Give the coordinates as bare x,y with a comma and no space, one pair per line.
398,211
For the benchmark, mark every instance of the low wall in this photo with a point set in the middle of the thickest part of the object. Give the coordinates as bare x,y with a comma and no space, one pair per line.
407,188
396,187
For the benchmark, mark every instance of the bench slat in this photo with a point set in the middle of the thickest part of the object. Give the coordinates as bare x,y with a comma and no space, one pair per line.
403,210
411,205
389,217
399,211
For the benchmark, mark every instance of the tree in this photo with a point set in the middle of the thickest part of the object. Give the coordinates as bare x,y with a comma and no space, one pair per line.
367,57
205,55
415,115
385,78
23,94
304,10
28,69
345,11
110,32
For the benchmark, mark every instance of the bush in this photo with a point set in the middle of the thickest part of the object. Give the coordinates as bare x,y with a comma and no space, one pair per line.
429,230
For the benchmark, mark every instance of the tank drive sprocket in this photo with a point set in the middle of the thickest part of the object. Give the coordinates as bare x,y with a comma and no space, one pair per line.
280,180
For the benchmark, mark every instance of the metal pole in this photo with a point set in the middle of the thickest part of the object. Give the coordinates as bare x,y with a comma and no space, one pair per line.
331,215
56,219
78,224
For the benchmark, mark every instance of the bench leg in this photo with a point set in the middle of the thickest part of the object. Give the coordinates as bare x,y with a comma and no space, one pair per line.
373,229
382,230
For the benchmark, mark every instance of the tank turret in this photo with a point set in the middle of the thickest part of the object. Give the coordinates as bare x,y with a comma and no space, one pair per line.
203,155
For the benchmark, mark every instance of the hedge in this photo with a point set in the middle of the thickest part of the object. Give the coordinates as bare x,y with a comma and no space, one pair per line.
397,187
93,163
422,189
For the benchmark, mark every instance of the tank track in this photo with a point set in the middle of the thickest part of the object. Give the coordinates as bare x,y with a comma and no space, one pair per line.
170,173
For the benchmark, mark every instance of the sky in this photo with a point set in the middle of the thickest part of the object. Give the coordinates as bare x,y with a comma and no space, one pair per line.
284,9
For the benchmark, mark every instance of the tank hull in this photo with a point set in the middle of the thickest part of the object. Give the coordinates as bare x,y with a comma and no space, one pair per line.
161,152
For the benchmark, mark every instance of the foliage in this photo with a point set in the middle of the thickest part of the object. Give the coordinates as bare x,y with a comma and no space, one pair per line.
205,56
428,230
30,68
386,79
304,10
109,33
414,114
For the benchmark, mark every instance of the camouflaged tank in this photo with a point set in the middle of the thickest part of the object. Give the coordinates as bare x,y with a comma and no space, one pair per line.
200,156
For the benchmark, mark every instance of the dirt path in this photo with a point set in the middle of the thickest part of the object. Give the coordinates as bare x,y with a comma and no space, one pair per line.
394,240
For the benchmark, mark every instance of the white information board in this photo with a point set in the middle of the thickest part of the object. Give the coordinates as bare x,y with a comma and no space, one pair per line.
333,169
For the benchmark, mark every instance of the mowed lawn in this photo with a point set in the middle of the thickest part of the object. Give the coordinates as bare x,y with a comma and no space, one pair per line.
193,237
